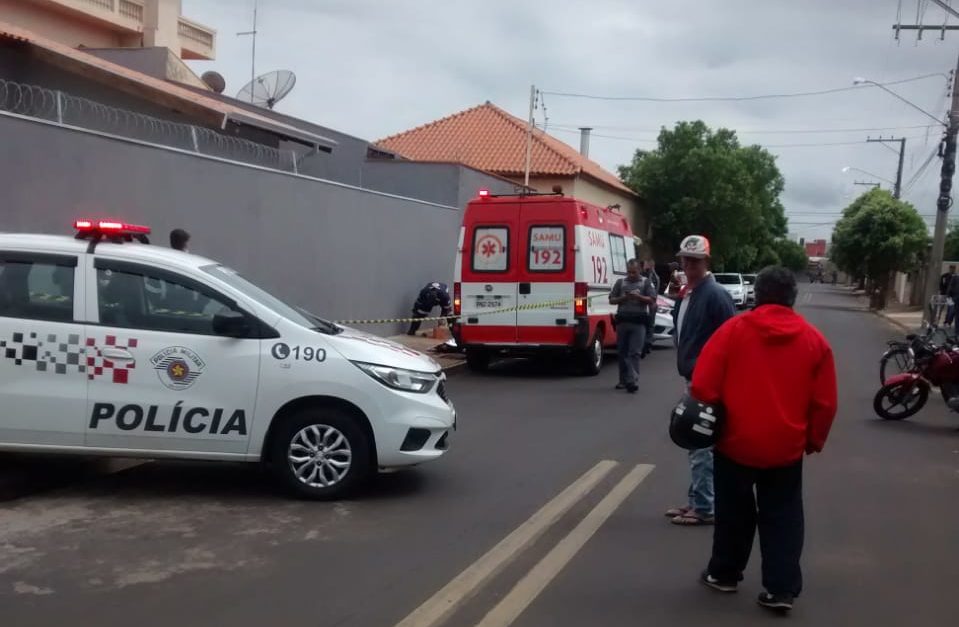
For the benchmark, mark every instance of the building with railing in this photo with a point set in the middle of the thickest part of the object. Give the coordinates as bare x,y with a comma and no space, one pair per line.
114,24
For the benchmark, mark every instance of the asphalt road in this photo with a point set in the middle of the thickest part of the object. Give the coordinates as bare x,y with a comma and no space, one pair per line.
522,523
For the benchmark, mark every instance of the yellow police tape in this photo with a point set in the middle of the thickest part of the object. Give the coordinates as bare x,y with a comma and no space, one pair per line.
528,307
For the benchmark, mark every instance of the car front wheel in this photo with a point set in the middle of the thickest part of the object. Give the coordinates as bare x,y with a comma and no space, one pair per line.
321,453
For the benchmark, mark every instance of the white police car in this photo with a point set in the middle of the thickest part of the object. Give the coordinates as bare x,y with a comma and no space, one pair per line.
110,346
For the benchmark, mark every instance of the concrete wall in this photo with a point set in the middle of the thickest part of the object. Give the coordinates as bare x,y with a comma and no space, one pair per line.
339,251
443,183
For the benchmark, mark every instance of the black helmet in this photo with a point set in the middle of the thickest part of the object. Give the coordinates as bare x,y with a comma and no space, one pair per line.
694,425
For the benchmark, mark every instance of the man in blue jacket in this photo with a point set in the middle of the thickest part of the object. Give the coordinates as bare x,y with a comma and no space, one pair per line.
703,307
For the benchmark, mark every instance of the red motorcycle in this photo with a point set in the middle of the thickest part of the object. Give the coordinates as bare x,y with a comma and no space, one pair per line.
903,395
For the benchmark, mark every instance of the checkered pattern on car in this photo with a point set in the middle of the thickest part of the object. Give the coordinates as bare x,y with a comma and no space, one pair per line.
66,354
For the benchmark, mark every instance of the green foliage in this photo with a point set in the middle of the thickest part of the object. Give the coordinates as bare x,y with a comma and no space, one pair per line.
951,251
879,235
792,255
702,181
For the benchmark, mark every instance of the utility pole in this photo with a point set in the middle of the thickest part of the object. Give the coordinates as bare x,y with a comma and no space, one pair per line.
944,202
529,134
897,190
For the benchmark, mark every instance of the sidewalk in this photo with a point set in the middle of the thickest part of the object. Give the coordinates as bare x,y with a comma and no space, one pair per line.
909,319
424,343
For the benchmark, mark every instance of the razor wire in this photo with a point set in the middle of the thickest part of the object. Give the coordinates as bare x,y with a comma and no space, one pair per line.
69,110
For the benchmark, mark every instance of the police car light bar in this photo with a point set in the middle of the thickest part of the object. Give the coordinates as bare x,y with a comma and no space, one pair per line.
110,226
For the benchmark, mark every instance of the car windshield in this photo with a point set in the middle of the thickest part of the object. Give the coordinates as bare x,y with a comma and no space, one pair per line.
729,279
295,314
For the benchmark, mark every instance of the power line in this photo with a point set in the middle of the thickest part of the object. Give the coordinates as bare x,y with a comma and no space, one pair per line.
653,141
760,131
799,94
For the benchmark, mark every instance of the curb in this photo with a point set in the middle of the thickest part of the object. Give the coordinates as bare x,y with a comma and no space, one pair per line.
892,321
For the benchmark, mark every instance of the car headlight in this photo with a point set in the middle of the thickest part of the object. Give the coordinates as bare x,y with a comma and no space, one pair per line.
398,378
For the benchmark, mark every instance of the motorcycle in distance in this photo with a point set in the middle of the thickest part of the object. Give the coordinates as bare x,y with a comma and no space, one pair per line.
902,395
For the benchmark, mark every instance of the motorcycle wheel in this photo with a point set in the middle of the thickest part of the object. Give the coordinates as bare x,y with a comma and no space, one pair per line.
894,361
900,400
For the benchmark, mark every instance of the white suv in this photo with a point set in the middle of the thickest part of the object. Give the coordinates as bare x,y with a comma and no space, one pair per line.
111,346
734,284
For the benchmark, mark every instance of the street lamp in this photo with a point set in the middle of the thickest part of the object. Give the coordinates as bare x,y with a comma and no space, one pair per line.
875,176
865,81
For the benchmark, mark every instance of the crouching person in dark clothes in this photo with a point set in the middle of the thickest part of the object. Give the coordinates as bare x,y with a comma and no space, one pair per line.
433,295
774,374
633,295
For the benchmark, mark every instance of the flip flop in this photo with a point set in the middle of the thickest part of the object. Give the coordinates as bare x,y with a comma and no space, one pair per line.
673,512
692,519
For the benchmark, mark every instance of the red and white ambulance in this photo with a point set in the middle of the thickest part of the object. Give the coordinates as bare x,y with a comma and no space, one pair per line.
533,275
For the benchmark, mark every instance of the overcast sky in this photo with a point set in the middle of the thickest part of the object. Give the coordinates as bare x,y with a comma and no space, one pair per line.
376,67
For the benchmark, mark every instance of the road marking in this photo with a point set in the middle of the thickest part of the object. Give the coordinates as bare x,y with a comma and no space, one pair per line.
528,588
450,597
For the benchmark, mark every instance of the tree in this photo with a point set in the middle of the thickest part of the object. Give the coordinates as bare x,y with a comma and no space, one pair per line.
876,237
791,255
951,252
702,181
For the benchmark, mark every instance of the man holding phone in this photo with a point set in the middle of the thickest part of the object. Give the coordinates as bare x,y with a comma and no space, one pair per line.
633,296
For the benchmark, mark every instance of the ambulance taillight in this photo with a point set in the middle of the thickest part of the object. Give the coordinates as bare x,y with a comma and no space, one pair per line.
580,299
457,299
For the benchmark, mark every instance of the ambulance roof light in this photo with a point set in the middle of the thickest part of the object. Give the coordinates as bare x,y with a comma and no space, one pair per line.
484,193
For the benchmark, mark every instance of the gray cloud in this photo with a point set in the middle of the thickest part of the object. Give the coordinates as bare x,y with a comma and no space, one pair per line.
376,67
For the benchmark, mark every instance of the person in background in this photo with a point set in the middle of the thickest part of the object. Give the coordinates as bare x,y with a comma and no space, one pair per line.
633,296
433,295
649,271
944,282
704,307
179,240
775,376
675,285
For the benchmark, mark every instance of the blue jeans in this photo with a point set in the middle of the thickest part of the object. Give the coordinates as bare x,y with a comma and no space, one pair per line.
701,485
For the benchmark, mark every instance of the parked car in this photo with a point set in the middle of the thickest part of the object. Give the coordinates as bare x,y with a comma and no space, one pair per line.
112,346
734,284
750,281
663,327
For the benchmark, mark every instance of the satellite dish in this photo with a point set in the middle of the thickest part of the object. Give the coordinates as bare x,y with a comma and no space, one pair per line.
268,89
214,81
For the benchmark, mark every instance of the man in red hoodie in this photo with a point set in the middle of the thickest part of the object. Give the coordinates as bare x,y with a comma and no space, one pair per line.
774,374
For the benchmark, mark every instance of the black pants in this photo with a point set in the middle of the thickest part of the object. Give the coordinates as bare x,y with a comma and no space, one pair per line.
415,323
776,508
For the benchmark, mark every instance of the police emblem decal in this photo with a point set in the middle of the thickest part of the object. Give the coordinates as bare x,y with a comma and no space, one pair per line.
177,367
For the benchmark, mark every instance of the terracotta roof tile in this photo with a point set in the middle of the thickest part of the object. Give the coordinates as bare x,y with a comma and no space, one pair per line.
488,138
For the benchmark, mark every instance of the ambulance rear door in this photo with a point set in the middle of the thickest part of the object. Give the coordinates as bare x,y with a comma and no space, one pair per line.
490,272
545,290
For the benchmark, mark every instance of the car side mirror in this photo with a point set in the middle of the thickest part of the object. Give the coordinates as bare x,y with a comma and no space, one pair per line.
231,323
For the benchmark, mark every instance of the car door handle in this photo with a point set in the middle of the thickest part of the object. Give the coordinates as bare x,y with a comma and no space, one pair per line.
117,354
